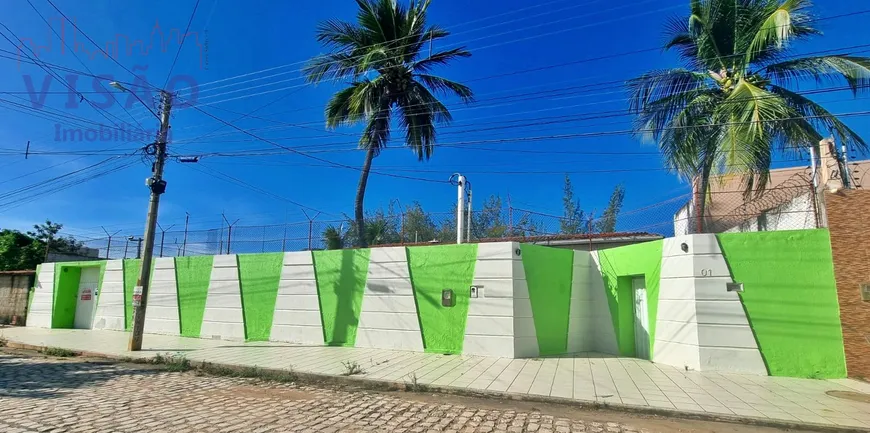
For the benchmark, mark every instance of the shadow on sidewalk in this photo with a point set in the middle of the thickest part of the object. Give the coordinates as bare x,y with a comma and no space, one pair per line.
25,377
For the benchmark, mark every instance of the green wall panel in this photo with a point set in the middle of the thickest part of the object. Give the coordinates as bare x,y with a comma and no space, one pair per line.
618,266
341,279
433,269
259,275
131,275
790,298
66,288
192,275
548,273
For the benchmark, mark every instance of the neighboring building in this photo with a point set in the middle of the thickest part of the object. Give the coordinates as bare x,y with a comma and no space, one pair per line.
83,254
788,202
14,289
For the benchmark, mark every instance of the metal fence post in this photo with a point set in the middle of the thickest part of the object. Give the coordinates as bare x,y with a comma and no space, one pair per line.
229,231
109,244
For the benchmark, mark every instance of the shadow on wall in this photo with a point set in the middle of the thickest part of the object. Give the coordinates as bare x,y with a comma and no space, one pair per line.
341,278
433,269
25,378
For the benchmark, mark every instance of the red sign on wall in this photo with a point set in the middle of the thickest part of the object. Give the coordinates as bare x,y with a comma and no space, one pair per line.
86,295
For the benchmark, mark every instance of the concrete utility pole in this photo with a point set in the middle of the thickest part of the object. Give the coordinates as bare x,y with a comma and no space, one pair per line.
158,187
460,206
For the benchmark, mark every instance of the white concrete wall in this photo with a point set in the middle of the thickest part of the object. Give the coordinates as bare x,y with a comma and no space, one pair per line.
297,307
796,214
580,323
725,339
39,314
700,324
223,317
676,339
491,324
603,338
388,317
161,316
110,302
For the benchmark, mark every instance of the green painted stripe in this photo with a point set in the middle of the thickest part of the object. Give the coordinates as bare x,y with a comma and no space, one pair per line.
66,286
192,275
433,269
259,275
790,298
131,275
618,267
549,272
341,279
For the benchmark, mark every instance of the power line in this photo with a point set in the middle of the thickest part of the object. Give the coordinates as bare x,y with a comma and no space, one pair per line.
49,72
82,62
317,122
181,44
95,43
861,12
228,178
316,158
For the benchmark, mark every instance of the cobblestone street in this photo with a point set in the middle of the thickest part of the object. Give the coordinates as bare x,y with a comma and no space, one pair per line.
39,394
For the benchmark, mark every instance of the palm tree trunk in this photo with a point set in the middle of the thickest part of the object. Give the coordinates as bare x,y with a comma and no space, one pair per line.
702,206
360,196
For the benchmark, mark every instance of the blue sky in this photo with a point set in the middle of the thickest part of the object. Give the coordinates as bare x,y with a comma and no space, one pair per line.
505,37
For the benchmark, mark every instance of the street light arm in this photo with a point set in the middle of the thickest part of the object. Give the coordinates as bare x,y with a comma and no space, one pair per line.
121,87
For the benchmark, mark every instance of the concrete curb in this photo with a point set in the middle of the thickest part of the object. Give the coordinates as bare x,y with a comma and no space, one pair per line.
386,385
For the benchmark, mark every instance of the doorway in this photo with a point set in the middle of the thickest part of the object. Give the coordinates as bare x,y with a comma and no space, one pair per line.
86,299
641,318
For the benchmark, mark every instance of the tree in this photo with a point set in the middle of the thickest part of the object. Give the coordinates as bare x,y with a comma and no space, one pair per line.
381,55
418,225
19,251
49,234
333,237
731,107
573,218
607,222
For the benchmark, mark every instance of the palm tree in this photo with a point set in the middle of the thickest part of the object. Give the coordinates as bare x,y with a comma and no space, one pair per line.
383,56
731,107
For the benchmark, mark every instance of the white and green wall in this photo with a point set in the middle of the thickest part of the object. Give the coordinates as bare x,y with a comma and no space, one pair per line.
532,300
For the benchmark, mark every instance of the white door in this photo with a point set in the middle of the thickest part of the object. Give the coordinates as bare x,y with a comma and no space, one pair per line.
87,298
641,318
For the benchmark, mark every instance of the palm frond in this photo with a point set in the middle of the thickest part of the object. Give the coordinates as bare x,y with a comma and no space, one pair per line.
332,67
444,86
439,59
418,116
659,84
818,120
342,35
355,103
854,70
376,134
780,23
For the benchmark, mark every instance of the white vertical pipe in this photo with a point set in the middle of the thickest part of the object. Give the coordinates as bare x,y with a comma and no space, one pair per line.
460,207
468,212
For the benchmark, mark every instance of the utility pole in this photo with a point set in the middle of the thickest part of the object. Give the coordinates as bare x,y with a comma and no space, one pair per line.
460,204
157,186
184,243
138,245
468,213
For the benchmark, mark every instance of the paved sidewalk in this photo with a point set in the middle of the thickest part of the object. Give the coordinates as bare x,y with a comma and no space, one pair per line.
614,381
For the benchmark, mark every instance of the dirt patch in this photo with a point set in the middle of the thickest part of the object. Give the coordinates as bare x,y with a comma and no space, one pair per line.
850,395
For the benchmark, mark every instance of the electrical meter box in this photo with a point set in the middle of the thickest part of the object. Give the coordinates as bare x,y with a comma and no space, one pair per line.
447,298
